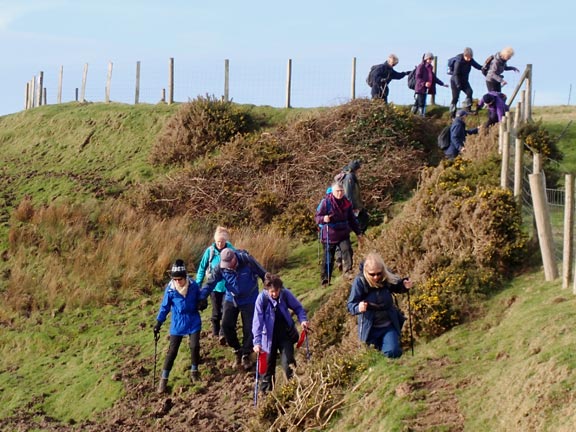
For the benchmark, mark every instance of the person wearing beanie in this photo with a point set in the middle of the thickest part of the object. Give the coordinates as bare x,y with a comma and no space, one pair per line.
210,260
459,82
184,299
494,78
458,133
426,81
240,272
497,108
381,75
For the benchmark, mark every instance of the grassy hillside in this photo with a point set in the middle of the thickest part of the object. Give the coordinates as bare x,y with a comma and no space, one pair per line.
90,368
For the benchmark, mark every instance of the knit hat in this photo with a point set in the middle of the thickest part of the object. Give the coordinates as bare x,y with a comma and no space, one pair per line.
178,269
428,55
354,165
488,98
461,113
228,259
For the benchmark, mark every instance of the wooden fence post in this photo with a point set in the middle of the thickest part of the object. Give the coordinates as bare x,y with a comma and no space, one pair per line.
518,156
288,82
33,93
528,99
171,81
137,89
505,154
108,82
226,80
45,96
543,225
353,83
434,68
60,80
84,78
39,88
568,253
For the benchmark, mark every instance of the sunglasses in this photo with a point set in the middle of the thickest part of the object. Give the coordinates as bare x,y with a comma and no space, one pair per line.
177,279
375,274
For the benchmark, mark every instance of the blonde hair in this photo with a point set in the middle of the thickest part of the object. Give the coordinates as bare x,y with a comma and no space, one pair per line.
394,58
507,52
374,262
221,232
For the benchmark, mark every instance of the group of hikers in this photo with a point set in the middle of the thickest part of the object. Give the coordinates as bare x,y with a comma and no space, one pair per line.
230,277
423,81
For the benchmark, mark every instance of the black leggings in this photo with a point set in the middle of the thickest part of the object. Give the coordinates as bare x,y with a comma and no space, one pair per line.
175,342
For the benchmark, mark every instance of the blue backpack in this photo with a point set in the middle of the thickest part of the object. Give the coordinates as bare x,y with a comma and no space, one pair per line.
450,65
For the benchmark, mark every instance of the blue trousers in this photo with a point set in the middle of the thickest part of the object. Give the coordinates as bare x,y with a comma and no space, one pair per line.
386,340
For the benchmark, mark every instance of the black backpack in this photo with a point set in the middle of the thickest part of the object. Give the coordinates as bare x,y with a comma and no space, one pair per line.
444,138
486,65
450,65
371,74
412,79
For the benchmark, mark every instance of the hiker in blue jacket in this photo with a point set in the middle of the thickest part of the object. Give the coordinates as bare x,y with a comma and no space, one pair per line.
240,273
379,320
184,299
459,82
274,329
458,133
210,260
382,75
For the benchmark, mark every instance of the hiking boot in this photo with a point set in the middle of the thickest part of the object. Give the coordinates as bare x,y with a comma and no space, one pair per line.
325,282
246,362
238,362
222,340
194,375
162,386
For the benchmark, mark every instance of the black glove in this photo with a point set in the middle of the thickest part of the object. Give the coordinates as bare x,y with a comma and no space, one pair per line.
202,304
157,328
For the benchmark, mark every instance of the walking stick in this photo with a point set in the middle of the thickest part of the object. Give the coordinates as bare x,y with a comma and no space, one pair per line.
410,324
256,380
156,337
327,254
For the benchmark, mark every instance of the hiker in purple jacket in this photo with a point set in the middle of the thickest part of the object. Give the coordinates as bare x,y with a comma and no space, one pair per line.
497,108
335,217
426,81
274,329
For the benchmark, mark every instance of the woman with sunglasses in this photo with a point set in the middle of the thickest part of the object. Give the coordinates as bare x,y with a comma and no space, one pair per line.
379,320
184,299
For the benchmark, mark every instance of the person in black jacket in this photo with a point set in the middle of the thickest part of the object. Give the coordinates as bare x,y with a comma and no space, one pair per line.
459,82
382,75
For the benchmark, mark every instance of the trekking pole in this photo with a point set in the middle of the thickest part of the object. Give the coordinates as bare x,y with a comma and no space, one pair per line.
410,324
327,254
156,337
256,380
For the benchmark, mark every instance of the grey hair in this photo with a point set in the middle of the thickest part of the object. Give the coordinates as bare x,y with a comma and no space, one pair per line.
393,57
507,52
468,52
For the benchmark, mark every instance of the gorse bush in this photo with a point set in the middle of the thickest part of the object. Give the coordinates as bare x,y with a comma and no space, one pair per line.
199,127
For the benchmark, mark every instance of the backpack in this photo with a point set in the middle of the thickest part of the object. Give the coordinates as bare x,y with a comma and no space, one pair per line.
371,74
412,79
444,138
450,65
486,65
340,177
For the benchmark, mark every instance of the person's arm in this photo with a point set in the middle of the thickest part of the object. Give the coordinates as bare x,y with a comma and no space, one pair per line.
203,266
165,306
293,303
394,75
355,297
258,322
475,64
511,68
321,212
213,278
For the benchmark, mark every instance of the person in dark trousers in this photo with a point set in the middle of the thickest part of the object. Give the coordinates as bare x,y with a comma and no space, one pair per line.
274,329
426,81
383,74
497,108
336,220
240,272
210,260
458,133
379,320
349,179
184,299
460,80
494,78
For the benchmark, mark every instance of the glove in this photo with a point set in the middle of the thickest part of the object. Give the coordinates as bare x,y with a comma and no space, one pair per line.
157,328
202,304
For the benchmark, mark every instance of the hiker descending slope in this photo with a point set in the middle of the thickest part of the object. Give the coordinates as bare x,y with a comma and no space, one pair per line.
240,272
273,328
381,75
458,133
494,68
210,260
379,320
460,67
184,299
335,217
349,179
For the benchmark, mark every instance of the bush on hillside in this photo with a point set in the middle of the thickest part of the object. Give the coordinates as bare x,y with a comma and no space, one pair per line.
199,127
261,178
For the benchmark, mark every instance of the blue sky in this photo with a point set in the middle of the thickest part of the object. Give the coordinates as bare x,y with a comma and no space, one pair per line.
258,37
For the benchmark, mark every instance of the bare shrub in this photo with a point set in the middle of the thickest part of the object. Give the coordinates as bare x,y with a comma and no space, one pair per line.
267,245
